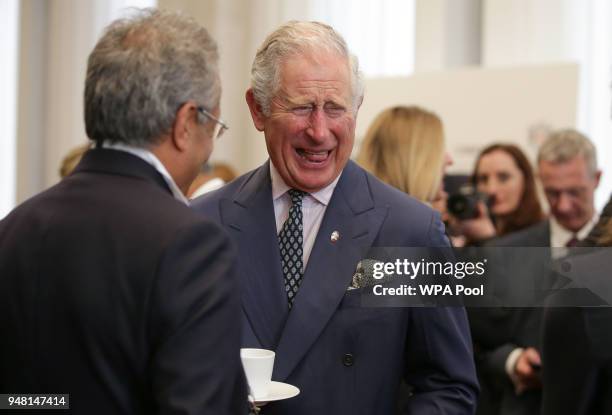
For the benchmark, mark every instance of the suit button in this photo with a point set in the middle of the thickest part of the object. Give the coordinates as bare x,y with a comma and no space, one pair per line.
348,360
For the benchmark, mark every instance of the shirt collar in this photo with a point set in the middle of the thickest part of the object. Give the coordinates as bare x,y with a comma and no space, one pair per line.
560,235
152,159
279,187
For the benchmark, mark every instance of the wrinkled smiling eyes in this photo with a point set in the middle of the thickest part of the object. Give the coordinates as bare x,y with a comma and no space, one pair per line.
307,110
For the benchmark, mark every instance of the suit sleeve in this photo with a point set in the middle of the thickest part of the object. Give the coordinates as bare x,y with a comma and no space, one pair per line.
568,369
195,324
439,357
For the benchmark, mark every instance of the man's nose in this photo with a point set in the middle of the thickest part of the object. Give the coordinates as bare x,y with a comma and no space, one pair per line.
564,203
318,128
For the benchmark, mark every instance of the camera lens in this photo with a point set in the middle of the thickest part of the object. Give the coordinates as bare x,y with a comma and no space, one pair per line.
463,206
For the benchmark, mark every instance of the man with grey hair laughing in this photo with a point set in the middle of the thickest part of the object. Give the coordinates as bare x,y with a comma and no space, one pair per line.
302,222
112,290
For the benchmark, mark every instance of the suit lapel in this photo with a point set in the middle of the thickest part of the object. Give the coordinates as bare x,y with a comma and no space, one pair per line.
330,267
543,235
250,219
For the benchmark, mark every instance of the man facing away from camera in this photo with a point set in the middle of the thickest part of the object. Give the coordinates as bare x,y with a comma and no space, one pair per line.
302,221
111,289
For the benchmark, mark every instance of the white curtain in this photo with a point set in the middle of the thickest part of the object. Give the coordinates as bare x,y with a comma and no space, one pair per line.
9,26
380,32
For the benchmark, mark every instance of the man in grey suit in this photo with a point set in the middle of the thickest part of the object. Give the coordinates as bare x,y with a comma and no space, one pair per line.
111,289
302,222
567,167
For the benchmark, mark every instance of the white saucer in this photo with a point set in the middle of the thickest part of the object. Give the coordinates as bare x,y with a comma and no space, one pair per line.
277,392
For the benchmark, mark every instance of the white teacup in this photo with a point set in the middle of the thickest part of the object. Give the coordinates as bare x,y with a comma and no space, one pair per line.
258,365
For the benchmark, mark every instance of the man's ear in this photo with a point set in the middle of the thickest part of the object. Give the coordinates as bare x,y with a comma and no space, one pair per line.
358,105
597,177
184,125
256,112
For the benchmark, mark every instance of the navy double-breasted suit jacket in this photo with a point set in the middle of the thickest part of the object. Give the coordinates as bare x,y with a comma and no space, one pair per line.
345,359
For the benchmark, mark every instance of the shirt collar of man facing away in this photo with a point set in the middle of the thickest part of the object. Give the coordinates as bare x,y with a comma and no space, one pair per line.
150,158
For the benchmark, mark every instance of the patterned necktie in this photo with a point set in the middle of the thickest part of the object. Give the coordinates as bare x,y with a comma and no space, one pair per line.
290,241
572,242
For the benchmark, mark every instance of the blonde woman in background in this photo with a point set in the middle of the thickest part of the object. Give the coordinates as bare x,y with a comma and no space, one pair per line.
404,147
72,158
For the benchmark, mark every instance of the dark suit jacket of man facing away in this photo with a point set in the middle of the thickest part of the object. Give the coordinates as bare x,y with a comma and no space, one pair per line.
496,332
115,293
344,358
577,348
577,342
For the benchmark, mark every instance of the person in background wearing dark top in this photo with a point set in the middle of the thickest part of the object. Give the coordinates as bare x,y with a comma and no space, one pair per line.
577,341
504,175
298,297
404,147
112,289
567,168
601,230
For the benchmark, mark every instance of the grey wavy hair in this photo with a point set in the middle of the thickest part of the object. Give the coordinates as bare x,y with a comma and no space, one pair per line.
563,145
295,38
142,70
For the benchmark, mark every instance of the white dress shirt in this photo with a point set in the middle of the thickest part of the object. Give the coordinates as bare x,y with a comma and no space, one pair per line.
313,208
559,236
152,159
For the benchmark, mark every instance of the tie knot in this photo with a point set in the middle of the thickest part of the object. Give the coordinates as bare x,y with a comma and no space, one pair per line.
296,196
572,242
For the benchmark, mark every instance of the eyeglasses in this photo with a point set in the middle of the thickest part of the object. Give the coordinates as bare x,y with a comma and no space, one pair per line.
220,125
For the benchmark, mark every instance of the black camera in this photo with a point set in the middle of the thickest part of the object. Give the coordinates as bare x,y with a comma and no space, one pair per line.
464,204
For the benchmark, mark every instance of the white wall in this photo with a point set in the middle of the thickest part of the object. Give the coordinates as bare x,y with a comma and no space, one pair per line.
448,34
526,32
480,106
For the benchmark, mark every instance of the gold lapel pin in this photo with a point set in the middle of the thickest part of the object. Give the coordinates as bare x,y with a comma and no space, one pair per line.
335,236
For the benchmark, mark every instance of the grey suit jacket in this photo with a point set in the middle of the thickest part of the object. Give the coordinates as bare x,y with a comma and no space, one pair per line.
537,235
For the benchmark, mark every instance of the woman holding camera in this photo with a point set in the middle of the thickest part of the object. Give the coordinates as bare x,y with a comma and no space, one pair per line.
505,177
504,337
